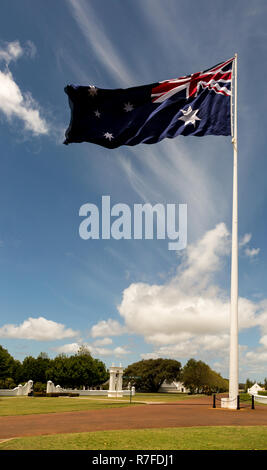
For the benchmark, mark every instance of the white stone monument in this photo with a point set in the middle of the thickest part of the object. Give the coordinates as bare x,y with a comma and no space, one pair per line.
115,381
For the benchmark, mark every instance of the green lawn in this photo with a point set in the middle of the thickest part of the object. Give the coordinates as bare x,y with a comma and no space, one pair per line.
192,438
164,397
36,405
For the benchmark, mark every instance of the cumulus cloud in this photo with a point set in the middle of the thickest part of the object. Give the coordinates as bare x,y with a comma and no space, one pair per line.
189,314
102,342
73,348
108,328
39,329
13,102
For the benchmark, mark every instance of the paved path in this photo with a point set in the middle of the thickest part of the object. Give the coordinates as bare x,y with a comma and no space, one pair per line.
197,412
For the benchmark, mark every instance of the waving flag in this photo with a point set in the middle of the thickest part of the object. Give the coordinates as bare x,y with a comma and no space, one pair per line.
197,104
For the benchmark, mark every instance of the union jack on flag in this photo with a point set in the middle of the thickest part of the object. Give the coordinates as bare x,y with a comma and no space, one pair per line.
197,104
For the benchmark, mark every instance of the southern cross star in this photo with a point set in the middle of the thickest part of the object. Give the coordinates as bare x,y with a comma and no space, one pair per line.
97,114
128,107
92,90
108,136
189,116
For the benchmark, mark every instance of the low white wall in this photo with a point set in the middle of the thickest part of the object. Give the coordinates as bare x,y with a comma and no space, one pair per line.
20,390
260,399
51,388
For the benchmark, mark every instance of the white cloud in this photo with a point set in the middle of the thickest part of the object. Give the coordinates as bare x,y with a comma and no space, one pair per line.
11,51
245,239
13,103
107,328
100,43
189,314
170,173
73,348
251,252
121,351
39,329
102,342
263,341
257,357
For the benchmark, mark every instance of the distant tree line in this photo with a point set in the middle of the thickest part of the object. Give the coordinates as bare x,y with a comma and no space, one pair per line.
82,369
68,371
149,375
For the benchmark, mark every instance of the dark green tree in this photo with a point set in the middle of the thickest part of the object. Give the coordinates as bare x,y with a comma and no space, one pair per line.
152,373
198,377
77,370
248,384
6,363
35,368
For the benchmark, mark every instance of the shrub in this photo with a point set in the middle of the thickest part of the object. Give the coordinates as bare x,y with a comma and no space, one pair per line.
39,387
7,383
39,394
62,394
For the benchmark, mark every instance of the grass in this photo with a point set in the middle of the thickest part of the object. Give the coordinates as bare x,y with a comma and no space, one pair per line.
191,438
35,405
164,397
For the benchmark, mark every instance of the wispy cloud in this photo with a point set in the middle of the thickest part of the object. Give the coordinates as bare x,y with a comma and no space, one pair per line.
250,252
95,35
13,102
173,173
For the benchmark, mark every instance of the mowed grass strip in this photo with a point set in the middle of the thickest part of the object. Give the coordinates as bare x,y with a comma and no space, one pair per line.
162,397
13,406
194,438
34,405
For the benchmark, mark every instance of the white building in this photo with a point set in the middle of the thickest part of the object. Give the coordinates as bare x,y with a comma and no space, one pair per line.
255,389
173,387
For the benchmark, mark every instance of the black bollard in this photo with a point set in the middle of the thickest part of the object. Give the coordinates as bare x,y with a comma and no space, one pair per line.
238,402
252,403
214,401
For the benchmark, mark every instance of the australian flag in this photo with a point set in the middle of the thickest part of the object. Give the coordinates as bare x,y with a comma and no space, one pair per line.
197,104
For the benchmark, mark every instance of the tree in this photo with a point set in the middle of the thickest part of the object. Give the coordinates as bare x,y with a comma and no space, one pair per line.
248,384
152,373
35,368
6,363
198,377
77,370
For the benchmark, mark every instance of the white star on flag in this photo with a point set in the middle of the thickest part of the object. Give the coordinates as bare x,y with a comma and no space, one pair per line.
128,107
92,90
189,116
97,114
108,136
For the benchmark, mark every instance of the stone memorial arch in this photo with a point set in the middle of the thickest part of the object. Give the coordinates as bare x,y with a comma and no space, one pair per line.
115,381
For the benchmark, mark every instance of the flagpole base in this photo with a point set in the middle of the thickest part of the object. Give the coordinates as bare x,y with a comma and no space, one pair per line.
230,403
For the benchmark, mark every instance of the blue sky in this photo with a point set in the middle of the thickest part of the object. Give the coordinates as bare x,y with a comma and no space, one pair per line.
128,299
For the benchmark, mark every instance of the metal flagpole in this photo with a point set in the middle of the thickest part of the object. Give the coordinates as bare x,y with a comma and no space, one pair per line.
233,369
